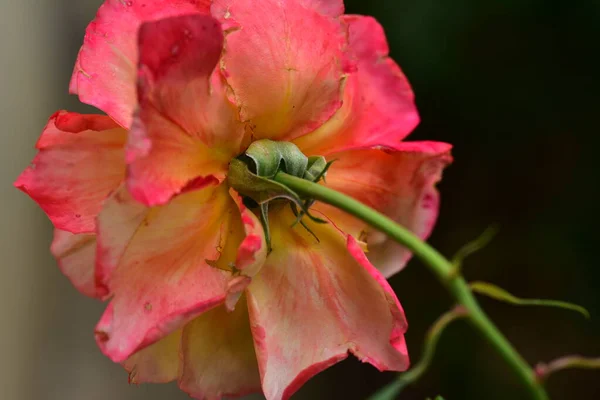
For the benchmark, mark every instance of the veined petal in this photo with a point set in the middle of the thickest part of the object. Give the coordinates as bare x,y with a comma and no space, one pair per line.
163,279
80,161
284,63
105,70
218,355
118,221
400,184
185,128
378,109
313,302
157,363
75,254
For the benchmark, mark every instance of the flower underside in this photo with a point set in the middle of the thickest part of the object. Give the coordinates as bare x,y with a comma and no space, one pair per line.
208,256
252,173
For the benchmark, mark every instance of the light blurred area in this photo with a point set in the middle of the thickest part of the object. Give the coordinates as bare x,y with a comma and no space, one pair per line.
47,344
513,84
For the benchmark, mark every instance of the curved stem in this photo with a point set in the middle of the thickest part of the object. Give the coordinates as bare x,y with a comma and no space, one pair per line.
437,263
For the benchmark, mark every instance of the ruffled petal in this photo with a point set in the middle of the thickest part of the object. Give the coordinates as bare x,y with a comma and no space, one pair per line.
252,251
80,161
75,254
218,355
105,70
157,363
313,302
284,63
400,184
163,278
379,108
247,241
185,128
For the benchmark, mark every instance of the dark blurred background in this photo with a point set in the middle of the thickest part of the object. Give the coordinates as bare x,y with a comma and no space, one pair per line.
513,84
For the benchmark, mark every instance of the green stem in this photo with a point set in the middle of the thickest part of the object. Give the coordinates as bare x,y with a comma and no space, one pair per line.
437,263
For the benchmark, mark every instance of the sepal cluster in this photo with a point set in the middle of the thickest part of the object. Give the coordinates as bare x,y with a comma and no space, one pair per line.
252,174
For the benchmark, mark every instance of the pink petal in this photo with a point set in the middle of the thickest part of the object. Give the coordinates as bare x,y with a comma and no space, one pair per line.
218,355
333,8
163,278
105,70
313,302
247,241
400,184
75,254
80,161
185,128
379,108
284,63
157,363
118,221
252,251
400,326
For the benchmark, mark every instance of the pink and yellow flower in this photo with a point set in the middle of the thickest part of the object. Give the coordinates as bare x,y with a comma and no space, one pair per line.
144,216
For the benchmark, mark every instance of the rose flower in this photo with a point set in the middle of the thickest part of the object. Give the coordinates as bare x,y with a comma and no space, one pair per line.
145,218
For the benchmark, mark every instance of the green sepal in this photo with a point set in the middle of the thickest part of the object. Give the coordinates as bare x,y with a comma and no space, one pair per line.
258,188
264,220
270,157
316,165
252,175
